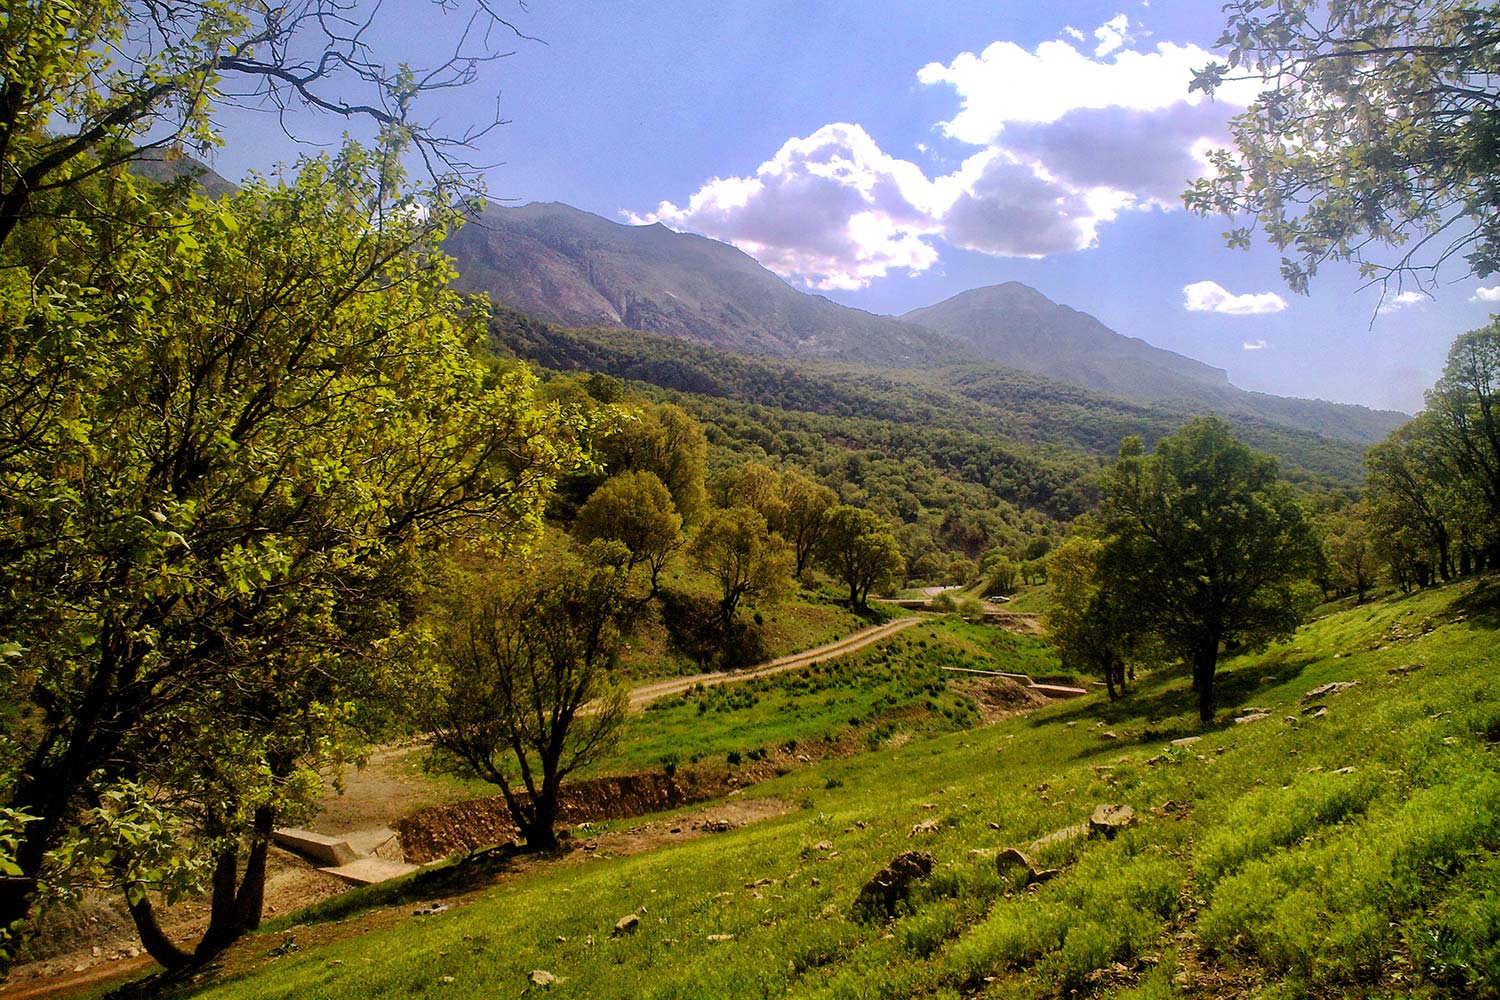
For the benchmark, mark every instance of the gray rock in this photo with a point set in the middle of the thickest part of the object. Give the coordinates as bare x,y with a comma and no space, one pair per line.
628,924
1109,819
1252,717
1186,741
1323,690
543,978
1011,860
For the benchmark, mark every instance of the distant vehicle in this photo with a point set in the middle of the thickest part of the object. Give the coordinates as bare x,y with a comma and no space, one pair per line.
997,599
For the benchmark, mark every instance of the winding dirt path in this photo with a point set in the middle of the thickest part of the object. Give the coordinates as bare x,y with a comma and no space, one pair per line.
647,693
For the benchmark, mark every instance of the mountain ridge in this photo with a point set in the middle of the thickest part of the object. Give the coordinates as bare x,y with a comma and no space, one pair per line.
570,267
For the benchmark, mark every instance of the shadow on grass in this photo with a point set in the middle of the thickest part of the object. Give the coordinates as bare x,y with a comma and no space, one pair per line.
1481,606
1166,703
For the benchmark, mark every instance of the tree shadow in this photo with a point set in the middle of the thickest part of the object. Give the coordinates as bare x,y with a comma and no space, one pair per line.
1481,606
1167,705
696,629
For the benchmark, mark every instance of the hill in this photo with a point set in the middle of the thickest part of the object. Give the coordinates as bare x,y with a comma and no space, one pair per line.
1339,843
575,269
1051,433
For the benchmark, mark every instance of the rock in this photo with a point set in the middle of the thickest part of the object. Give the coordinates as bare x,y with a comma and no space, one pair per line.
1253,710
1109,819
721,937
431,909
926,826
892,884
1252,717
1010,861
1344,770
1045,875
542,978
1323,690
1402,671
716,826
1315,711
628,924
823,845
1109,734
1186,741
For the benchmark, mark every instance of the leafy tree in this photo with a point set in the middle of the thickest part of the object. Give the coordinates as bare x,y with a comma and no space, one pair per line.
91,84
229,433
1211,546
754,485
735,548
807,506
1464,408
1405,495
1351,552
1089,622
1002,574
525,695
662,439
858,548
635,509
1376,124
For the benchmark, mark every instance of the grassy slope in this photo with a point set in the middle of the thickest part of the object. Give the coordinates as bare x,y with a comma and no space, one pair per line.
1348,855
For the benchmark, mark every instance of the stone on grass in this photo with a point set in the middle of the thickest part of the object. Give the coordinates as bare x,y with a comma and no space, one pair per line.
892,884
1252,717
628,924
1109,819
926,826
1323,690
543,978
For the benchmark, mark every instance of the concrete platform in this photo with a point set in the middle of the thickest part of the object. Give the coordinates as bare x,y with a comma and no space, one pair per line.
332,851
368,871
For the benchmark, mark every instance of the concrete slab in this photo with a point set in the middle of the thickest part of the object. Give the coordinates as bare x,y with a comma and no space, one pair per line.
368,871
326,850
382,841
1059,691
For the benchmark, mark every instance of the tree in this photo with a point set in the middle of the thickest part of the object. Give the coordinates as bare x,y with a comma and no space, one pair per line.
663,439
1211,546
858,548
635,509
1464,408
1376,125
91,84
229,434
1351,552
1405,494
734,547
1087,621
525,697
807,506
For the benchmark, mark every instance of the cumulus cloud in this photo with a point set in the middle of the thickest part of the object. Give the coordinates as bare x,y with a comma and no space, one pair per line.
1065,139
1491,294
1403,300
1210,296
832,209
1254,345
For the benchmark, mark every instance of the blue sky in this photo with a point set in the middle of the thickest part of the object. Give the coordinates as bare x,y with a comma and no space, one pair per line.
889,155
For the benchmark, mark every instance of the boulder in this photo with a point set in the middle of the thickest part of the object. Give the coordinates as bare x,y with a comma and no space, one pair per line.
892,884
543,978
1252,717
1010,860
1109,819
1323,690
628,924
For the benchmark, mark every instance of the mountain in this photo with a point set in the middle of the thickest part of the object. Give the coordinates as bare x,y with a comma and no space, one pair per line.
1015,325
573,268
1018,326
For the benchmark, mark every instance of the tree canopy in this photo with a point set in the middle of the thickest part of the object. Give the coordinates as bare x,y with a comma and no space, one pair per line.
1212,548
1376,129
230,431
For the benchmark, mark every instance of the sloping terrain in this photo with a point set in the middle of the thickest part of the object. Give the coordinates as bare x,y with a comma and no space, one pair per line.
1339,840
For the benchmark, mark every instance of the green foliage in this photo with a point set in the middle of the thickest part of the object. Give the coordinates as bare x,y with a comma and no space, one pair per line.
735,548
858,548
1206,545
1373,124
635,509
521,659
230,435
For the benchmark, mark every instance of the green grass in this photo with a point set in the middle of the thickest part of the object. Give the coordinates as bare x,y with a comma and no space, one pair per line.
1347,855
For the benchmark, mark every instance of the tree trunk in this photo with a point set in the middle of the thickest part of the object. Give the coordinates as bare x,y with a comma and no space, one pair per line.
167,954
1205,663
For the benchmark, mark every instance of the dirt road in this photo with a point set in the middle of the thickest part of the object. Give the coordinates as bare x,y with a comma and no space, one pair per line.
647,693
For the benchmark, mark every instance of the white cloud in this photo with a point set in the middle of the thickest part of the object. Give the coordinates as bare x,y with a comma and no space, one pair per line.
831,209
1254,345
1111,35
1064,143
1210,296
1402,300
1491,294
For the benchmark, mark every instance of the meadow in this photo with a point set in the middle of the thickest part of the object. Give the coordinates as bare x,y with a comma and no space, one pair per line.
1337,844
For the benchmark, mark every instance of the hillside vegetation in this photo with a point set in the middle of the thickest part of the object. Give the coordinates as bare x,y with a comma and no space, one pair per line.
1059,430
1338,843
